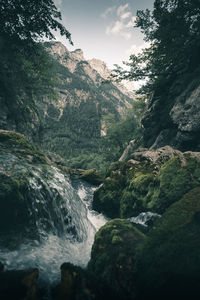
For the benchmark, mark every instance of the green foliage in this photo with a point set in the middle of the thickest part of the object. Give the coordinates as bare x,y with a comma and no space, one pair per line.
172,30
30,20
76,135
26,69
18,144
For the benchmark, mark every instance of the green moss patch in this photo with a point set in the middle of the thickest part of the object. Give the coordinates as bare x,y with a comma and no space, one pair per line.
19,145
132,188
92,176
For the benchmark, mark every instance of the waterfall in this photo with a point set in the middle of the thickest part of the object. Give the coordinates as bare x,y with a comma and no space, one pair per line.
60,210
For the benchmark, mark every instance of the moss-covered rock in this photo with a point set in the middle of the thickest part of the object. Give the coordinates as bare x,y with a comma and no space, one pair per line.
107,197
168,262
31,189
17,143
92,176
150,181
113,255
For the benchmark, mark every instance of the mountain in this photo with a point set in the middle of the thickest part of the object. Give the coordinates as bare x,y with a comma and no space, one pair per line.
85,107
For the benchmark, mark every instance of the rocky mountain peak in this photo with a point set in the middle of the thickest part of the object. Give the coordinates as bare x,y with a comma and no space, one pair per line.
78,55
100,67
57,48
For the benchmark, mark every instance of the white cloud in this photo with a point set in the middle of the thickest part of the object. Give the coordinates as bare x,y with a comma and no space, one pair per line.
135,49
122,9
125,15
108,12
118,28
123,23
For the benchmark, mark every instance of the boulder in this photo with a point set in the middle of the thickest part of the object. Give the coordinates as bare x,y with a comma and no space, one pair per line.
80,284
19,284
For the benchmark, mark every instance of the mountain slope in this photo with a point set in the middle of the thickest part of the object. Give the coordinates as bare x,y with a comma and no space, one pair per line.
74,123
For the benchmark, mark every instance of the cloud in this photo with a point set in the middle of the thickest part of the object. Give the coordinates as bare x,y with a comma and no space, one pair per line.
122,8
118,28
108,12
135,49
123,23
125,15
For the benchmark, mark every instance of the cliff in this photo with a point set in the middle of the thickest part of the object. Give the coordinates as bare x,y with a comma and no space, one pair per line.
173,114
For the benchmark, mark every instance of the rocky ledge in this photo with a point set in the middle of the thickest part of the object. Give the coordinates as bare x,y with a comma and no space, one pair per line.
151,180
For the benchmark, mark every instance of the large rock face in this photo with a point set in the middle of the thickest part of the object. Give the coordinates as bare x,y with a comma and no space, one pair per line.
173,115
85,106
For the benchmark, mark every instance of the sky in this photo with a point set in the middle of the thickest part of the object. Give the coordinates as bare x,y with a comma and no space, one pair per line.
103,29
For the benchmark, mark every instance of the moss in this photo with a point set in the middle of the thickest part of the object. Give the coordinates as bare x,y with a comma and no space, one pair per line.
171,252
11,138
174,181
113,254
143,186
116,239
107,198
18,144
92,176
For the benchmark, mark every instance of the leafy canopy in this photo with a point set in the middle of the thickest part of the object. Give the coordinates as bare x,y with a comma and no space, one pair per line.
25,66
173,31
30,19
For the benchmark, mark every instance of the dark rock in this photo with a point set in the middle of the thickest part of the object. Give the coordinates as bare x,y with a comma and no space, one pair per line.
168,262
79,284
19,285
113,256
1,267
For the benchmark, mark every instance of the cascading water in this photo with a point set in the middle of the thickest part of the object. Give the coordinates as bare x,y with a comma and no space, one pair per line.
65,223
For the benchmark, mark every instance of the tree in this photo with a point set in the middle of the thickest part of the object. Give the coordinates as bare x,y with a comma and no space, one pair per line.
25,66
30,20
173,31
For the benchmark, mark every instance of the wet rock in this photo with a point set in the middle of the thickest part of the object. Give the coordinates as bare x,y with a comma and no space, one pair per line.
19,285
79,284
